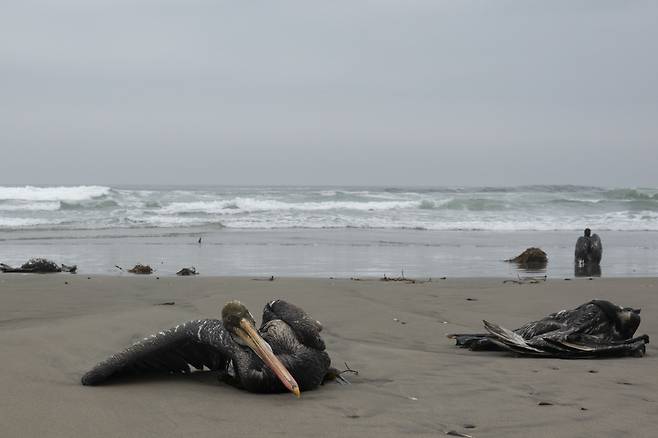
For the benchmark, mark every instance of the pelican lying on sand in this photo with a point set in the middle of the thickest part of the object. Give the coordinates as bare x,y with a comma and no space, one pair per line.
286,353
594,329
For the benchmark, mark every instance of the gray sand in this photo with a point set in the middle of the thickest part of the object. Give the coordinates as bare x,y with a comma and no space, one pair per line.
412,379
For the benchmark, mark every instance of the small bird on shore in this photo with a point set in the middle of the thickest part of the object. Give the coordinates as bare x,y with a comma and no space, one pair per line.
285,354
597,328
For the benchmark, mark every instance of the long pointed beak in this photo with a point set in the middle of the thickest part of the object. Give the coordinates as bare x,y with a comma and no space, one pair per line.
250,336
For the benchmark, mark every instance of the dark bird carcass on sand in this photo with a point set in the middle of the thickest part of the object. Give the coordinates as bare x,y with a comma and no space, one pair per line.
285,354
39,266
589,249
595,329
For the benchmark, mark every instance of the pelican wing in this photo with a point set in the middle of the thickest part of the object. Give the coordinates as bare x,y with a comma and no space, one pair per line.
306,329
508,339
588,347
196,344
582,247
561,347
596,248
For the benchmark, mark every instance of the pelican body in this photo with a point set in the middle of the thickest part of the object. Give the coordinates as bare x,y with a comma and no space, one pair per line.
595,329
589,249
285,354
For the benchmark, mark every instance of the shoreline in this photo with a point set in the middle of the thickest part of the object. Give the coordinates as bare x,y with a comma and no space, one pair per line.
412,380
337,253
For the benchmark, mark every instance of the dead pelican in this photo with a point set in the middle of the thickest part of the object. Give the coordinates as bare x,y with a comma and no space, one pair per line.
286,353
588,249
594,329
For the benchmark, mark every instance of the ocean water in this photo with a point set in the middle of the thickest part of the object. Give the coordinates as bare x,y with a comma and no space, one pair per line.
545,208
328,231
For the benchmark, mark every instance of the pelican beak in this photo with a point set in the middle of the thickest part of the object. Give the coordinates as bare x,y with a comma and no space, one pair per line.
250,336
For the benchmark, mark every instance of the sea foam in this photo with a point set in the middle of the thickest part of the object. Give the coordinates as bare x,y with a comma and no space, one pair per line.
453,208
62,193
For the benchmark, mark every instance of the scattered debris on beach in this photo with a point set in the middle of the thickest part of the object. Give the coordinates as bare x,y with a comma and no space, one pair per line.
141,269
39,266
527,280
187,271
404,279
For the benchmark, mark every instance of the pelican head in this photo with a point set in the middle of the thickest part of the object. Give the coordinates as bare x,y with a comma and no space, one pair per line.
628,321
238,320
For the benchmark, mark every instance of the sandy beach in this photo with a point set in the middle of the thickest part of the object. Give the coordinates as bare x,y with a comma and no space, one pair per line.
412,380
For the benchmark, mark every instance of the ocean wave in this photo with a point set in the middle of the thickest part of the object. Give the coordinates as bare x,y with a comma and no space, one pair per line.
170,221
474,204
454,208
555,188
28,206
23,222
88,205
630,195
471,221
252,205
61,193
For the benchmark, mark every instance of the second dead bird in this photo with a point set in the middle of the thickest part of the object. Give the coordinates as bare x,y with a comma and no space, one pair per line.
594,329
187,271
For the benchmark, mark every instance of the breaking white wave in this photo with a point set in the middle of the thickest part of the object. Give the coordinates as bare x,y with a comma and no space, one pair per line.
29,206
486,208
249,205
62,193
20,222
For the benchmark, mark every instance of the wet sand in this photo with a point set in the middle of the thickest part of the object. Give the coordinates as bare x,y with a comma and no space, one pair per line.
412,380
324,253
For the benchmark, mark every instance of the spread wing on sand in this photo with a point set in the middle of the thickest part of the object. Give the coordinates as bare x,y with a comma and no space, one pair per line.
508,338
177,350
553,345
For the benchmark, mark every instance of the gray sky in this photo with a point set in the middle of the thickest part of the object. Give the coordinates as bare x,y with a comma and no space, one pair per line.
329,92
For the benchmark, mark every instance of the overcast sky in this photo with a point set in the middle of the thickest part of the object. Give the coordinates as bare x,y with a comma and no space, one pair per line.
329,92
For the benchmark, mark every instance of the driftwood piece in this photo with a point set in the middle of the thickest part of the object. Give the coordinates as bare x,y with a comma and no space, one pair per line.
404,279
